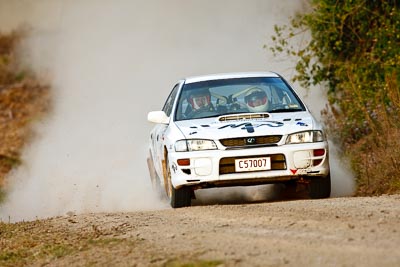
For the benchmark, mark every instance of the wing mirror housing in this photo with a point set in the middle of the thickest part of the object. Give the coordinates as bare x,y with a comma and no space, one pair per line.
158,117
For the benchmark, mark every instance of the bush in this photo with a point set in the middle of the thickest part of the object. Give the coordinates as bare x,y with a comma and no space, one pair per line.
354,50
23,99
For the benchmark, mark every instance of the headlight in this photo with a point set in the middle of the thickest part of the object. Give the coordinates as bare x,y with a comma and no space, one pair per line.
305,137
194,145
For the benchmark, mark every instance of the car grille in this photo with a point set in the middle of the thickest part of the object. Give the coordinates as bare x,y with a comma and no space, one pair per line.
227,165
251,141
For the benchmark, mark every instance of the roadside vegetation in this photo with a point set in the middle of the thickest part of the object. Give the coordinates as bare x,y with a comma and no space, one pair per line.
23,99
41,242
354,51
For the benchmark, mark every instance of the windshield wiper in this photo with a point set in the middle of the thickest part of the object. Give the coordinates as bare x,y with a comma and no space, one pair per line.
285,110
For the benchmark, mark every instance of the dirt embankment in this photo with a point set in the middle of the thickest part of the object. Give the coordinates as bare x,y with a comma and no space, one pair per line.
360,231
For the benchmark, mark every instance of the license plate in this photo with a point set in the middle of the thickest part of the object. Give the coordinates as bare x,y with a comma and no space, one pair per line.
253,164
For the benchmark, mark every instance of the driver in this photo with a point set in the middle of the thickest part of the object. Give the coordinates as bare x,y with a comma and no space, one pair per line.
200,100
256,100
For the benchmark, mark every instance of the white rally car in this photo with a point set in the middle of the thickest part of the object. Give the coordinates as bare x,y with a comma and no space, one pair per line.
235,129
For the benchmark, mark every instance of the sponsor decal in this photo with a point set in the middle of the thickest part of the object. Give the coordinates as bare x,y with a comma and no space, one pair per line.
302,171
174,167
250,126
301,123
272,124
233,125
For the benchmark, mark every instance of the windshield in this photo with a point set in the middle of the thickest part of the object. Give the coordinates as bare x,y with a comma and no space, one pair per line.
239,95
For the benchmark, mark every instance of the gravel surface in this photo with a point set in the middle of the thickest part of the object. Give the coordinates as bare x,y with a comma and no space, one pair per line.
348,231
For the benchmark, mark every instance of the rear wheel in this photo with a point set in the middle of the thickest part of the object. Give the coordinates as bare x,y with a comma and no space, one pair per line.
179,198
320,187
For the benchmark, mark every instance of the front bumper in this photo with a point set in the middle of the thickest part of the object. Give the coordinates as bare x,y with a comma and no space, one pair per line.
213,168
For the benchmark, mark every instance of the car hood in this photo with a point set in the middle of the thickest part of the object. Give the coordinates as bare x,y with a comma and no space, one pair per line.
276,124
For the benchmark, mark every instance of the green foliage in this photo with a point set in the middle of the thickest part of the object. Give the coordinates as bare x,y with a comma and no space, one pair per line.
354,49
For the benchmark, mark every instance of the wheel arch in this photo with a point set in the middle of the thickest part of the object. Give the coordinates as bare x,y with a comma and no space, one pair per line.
164,168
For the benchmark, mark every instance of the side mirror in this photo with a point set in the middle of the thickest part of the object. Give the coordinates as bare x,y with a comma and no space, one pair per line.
158,117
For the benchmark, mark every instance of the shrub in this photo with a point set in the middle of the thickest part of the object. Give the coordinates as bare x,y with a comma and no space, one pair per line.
23,99
354,50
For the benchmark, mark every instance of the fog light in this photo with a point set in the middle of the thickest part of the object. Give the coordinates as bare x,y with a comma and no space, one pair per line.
202,166
302,159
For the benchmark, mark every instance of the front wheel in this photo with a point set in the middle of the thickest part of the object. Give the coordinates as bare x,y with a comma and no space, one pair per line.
179,198
155,180
320,187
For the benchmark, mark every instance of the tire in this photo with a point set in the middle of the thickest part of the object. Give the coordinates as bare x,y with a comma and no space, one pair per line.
320,187
179,198
289,190
295,190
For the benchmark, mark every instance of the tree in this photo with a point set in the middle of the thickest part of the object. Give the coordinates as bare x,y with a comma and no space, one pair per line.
354,49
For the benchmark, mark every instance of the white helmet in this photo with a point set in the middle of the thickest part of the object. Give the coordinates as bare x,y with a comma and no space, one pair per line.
256,100
199,99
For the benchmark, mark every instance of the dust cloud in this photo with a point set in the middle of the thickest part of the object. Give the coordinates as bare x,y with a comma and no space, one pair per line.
109,64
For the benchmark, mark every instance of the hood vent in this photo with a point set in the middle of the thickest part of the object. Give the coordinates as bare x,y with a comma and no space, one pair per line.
245,116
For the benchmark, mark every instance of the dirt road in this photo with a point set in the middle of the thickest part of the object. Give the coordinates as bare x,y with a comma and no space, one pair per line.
330,232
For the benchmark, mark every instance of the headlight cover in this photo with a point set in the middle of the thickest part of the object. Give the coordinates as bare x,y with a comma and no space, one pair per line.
305,137
194,145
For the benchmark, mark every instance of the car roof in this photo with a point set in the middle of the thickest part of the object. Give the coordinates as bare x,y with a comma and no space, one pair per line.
232,75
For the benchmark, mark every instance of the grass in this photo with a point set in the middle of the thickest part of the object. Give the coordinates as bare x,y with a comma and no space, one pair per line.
37,241
197,263
377,161
58,242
